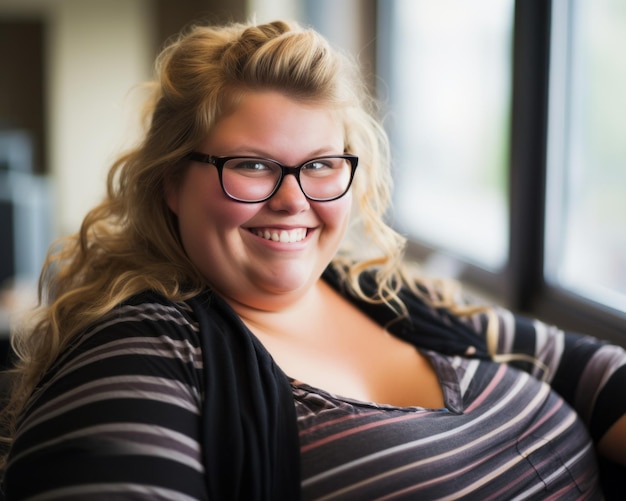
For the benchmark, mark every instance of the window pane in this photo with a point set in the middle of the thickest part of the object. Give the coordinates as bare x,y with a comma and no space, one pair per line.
449,95
586,231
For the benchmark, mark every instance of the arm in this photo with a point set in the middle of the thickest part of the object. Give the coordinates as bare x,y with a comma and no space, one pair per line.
117,416
588,373
613,444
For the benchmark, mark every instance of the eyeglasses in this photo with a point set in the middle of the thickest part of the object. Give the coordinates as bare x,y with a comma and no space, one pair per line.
252,179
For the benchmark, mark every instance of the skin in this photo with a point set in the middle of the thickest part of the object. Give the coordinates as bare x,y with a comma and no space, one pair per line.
219,234
613,443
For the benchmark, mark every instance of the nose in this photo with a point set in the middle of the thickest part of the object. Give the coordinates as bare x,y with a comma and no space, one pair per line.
289,196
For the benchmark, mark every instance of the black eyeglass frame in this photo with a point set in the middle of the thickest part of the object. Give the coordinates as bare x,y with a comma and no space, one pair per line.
219,163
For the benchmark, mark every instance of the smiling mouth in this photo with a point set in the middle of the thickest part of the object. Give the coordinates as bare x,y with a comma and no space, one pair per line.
284,236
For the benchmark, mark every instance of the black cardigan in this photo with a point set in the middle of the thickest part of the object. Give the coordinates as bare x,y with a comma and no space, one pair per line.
250,441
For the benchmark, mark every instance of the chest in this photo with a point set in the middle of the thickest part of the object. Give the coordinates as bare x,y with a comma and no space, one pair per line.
351,355
512,438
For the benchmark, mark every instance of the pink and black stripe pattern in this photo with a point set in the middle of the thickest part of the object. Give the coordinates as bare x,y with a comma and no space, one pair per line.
509,436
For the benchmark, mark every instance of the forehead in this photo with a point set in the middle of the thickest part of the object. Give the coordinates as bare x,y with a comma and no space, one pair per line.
272,123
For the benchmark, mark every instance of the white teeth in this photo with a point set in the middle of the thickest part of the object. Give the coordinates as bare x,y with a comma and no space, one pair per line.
284,236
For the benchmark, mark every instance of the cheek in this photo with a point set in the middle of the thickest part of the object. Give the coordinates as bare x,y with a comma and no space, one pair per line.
217,223
213,214
200,201
336,214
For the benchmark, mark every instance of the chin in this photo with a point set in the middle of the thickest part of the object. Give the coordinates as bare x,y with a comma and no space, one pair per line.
288,281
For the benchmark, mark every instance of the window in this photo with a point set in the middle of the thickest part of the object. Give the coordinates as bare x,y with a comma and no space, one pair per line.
507,121
586,202
449,78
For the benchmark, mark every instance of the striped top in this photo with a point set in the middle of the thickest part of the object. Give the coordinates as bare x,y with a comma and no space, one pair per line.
119,416
502,435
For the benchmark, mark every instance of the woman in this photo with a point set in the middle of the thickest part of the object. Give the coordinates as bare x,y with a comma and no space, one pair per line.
210,333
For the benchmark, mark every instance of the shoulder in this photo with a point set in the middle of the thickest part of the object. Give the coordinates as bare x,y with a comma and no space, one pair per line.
145,319
148,315
125,394
147,335
146,343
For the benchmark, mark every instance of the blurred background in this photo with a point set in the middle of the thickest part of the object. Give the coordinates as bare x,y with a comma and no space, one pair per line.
507,120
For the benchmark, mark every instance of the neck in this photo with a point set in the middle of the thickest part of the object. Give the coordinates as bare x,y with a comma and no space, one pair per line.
282,314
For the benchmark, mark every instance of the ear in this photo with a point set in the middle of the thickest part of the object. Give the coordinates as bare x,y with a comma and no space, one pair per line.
171,193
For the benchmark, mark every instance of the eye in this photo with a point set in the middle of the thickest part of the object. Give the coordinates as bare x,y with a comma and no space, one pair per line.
251,167
322,167
318,165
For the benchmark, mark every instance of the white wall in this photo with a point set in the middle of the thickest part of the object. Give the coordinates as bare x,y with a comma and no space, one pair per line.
98,50
263,11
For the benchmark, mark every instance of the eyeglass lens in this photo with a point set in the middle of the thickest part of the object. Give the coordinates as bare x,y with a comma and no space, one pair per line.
251,179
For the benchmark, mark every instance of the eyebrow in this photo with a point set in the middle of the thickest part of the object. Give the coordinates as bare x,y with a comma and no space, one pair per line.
320,152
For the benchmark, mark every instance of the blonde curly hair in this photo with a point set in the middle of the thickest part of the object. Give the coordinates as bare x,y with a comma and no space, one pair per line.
129,243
